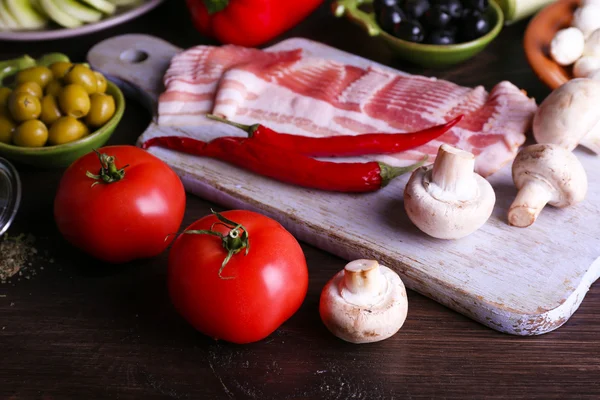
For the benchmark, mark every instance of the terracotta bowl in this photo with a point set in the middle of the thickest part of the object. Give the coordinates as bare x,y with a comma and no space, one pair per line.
539,34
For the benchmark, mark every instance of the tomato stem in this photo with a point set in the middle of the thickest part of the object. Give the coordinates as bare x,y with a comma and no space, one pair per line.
109,173
234,241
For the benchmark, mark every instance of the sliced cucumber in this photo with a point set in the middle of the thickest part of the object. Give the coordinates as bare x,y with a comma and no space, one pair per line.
58,15
25,15
79,11
10,21
101,5
126,3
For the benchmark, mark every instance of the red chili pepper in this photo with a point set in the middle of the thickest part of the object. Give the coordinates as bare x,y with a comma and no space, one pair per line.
248,22
287,166
344,145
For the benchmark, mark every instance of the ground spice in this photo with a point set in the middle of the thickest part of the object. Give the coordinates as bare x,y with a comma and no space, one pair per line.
16,254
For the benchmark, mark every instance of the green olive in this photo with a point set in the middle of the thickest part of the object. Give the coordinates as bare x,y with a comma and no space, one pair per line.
7,127
101,81
32,133
29,87
54,88
83,76
4,94
24,106
40,75
102,109
50,110
74,101
66,129
60,69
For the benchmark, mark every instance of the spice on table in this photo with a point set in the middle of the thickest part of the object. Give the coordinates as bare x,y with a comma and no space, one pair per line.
17,253
344,145
287,166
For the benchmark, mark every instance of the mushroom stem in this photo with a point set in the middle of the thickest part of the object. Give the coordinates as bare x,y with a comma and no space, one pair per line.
453,172
362,281
592,139
528,204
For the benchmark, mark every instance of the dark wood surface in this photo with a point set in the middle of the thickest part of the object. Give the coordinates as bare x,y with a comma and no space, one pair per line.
79,329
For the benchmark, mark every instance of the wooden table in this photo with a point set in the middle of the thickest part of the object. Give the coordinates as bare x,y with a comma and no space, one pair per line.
78,329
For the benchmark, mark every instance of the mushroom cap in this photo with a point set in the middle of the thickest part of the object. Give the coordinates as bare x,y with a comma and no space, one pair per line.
555,167
586,65
364,323
567,46
592,44
594,75
568,114
587,19
446,219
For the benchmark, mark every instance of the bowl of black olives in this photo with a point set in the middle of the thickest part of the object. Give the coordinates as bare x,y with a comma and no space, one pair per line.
430,33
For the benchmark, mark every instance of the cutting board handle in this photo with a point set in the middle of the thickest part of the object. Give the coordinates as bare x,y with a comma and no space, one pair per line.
136,63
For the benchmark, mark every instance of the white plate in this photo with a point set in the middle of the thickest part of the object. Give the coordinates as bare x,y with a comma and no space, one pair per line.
122,15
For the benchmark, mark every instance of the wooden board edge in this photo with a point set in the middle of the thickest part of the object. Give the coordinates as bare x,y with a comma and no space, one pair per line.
490,314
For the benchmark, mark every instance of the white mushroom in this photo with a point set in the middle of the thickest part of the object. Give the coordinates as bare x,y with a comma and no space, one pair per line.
569,116
449,200
588,2
594,76
567,46
592,45
545,174
587,19
585,66
365,302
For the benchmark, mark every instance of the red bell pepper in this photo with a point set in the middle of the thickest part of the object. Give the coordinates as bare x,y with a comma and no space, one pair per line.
248,22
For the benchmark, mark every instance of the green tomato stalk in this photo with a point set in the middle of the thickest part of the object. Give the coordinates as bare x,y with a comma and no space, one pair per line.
235,241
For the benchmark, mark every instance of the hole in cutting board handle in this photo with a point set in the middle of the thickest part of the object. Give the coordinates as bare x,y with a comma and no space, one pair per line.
134,56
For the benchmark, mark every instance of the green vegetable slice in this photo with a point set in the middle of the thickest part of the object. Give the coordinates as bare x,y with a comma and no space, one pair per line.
79,11
126,3
101,5
25,15
58,15
10,21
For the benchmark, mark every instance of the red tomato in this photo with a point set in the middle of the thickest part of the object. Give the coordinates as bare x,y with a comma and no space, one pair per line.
126,219
257,292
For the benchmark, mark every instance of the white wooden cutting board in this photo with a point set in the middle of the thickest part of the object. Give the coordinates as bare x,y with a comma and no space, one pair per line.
519,281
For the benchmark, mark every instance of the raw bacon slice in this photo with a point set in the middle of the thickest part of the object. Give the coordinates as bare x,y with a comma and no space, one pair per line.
294,92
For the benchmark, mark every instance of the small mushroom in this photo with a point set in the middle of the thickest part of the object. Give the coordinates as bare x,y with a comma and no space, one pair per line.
449,200
585,66
545,174
592,45
365,302
569,116
595,76
587,19
567,46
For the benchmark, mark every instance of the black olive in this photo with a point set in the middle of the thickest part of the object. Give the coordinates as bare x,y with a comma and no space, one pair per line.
453,6
474,24
415,9
479,5
410,30
441,37
379,5
390,17
437,17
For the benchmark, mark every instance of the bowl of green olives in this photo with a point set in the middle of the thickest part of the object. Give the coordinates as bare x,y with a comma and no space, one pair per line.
55,111
429,33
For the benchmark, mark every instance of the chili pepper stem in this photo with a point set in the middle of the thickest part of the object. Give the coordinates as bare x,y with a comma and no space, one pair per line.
388,172
249,129
109,173
233,242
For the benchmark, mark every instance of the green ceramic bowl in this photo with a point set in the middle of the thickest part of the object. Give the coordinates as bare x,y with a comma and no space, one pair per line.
64,154
426,55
